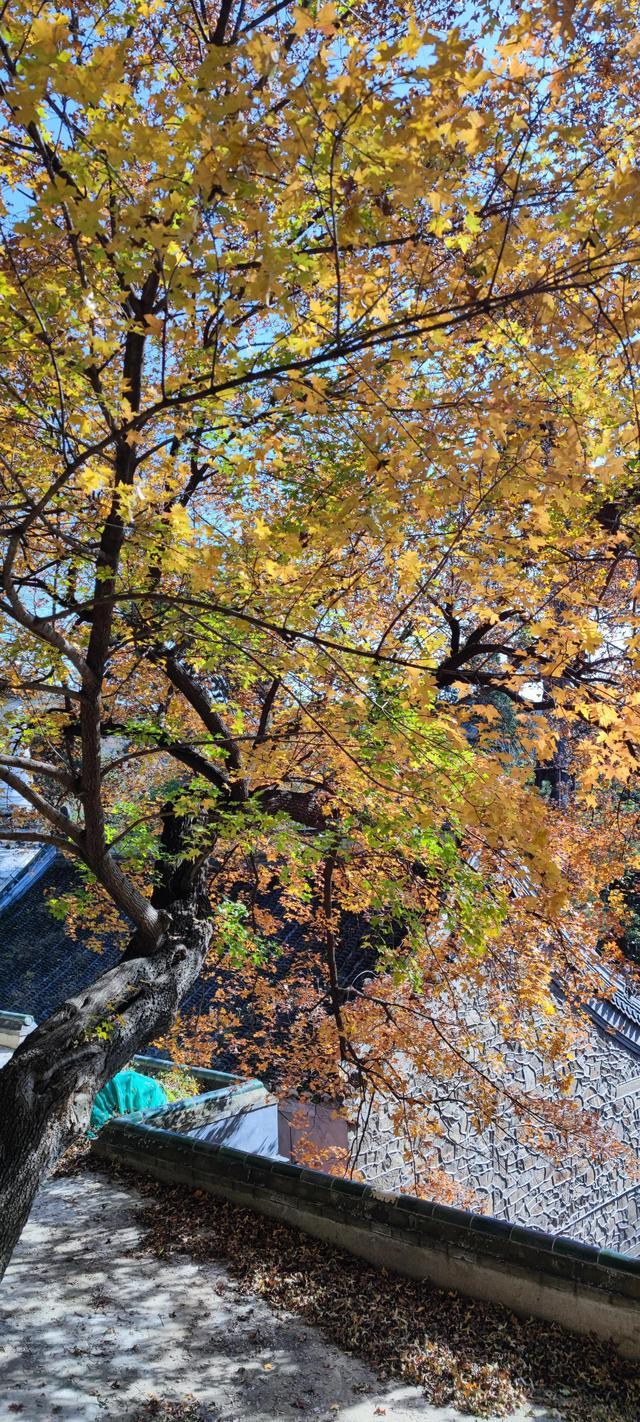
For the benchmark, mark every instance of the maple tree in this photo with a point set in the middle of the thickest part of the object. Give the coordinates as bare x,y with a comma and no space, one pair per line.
320,489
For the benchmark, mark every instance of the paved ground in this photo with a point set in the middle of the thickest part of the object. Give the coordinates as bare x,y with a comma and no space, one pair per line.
90,1329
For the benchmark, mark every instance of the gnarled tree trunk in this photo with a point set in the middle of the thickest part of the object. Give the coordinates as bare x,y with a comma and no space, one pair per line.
48,1086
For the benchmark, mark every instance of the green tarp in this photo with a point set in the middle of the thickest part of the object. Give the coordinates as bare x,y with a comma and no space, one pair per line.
127,1092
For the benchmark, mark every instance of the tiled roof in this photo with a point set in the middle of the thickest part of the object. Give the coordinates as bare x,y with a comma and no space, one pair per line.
297,946
41,964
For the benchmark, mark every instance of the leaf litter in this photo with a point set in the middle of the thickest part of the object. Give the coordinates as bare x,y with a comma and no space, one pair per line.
462,1352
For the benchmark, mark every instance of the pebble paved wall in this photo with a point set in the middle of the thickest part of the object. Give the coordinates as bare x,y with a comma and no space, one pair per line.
499,1174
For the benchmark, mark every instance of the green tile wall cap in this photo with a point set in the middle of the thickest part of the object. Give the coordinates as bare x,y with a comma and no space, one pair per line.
448,1214
204,1073
355,1189
609,1259
142,1134
220,1094
488,1225
538,1239
420,1209
597,1262
573,1249
282,1169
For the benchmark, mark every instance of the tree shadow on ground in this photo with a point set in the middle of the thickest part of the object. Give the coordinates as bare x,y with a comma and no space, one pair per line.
463,1352
96,1325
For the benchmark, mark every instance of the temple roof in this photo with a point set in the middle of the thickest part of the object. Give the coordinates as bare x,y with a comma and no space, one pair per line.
42,964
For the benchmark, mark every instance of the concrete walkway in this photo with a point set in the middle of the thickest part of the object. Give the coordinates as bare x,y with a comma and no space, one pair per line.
91,1328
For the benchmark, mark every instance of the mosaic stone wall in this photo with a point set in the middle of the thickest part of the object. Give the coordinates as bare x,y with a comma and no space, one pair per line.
496,1173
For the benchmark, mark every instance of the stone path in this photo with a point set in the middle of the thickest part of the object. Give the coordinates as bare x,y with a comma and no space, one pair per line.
91,1329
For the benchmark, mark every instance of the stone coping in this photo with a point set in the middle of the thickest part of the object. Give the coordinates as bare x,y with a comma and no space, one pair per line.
421,1223
16,1020
14,1027
224,1095
214,1080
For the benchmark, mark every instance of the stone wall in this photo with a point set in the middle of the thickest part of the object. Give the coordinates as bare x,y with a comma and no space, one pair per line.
588,1290
498,1173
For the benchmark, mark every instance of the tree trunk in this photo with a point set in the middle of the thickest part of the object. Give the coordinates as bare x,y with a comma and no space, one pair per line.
48,1086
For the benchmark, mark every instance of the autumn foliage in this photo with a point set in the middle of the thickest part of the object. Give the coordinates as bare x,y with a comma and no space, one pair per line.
320,482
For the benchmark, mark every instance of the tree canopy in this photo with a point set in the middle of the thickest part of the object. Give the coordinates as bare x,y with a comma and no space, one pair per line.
319,469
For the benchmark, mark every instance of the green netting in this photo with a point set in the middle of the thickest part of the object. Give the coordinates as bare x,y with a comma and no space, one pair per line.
128,1091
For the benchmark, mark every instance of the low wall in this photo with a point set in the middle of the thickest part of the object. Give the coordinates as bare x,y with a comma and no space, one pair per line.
532,1273
211,1080
14,1027
222,1095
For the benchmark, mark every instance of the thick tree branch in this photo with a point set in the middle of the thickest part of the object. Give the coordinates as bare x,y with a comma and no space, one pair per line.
65,826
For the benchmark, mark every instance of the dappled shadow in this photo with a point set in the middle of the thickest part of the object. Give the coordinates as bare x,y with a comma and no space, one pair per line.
462,1351
91,1326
